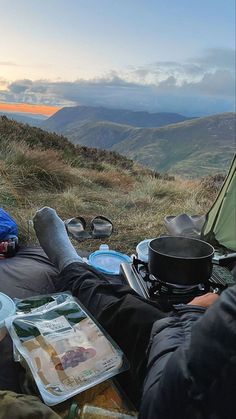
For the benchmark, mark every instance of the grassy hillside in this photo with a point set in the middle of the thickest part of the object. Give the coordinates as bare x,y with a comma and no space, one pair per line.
194,148
102,135
39,169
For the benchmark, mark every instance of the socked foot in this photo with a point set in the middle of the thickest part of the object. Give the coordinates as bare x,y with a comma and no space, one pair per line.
53,238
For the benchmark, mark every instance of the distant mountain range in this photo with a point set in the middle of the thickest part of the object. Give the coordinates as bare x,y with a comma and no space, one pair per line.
68,119
194,148
165,142
31,119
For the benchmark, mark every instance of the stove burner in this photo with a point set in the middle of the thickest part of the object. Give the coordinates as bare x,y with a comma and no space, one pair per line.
166,293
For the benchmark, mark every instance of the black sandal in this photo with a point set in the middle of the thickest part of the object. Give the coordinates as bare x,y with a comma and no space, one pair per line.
101,227
76,228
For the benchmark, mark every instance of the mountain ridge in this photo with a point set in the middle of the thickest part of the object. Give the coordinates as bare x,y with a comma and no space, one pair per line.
192,148
77,115
25,118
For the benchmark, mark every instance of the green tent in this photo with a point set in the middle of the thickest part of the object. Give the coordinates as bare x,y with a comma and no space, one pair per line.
220,226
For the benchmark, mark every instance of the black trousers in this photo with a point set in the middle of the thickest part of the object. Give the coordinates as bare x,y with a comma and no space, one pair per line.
126,317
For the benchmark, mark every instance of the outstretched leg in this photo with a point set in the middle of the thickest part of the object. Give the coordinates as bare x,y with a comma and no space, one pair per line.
125,315
53,238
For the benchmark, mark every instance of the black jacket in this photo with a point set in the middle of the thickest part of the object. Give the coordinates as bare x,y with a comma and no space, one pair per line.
191,370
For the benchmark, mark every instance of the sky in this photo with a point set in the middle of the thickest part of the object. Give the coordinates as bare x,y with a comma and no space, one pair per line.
154,55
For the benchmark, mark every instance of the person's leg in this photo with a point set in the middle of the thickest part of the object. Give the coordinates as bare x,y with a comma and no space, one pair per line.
53,238
127,317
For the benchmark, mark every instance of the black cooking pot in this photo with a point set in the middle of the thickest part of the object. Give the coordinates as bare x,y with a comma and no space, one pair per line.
180,260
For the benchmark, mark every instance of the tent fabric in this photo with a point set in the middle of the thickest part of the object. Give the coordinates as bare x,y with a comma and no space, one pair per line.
220,226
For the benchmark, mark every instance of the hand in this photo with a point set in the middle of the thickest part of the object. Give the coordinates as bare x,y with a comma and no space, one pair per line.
205,300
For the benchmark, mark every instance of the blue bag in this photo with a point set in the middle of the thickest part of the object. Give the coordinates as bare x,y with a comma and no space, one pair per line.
8,227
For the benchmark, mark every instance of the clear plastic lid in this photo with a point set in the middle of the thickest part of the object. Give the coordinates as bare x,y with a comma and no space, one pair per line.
108,261
7,308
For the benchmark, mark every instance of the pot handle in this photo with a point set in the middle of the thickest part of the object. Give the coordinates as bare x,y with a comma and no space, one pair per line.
225,260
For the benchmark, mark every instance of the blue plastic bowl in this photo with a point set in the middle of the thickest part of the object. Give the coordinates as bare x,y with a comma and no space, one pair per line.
108,261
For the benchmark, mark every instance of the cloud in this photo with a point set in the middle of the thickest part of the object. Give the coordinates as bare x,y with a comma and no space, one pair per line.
192,69
218,58
20,86
3,82
8,63
198,86
218,83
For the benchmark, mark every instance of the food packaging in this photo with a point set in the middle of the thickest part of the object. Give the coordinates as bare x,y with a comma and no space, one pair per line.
94,412
64,348
7,308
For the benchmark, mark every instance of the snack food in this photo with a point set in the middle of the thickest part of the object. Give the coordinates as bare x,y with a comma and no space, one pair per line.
66,351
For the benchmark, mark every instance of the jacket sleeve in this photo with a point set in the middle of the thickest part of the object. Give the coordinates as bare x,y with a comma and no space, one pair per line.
190,359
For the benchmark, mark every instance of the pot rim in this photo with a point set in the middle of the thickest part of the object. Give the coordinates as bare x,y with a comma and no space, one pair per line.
181,257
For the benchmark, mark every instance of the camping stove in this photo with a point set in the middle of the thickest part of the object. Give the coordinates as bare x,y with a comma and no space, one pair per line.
166,294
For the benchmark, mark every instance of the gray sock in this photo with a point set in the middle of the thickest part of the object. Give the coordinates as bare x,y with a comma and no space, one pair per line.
53,238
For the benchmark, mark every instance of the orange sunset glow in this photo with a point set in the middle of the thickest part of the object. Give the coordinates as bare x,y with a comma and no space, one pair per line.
28,108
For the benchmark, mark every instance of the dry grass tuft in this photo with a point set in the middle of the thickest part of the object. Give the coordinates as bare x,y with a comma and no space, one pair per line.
35,169
113,179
